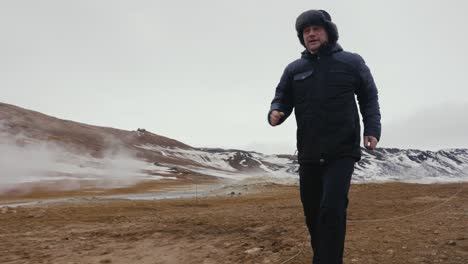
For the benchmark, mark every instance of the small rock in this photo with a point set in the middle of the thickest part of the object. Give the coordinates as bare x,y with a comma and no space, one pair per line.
253,250
451,243
106,251
436,232
232,193
39,214
4,210
391,251
354,260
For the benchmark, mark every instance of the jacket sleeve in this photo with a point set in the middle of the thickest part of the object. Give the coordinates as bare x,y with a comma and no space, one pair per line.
282,101
368,100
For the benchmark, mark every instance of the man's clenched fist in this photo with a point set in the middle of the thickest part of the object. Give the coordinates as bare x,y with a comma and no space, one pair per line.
275,117
370,142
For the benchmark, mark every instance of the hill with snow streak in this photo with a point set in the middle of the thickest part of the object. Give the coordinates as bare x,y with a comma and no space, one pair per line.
411,165
381,165
37,147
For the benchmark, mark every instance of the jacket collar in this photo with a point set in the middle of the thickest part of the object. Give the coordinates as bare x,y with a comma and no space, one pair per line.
326,49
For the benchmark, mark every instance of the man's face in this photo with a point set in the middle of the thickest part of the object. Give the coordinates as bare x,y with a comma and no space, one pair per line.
314,37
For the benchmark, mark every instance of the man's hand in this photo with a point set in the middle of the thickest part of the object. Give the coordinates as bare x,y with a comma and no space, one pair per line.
370,142
275,117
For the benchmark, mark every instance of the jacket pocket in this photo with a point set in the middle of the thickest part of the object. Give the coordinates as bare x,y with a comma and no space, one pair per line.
302,85
303,75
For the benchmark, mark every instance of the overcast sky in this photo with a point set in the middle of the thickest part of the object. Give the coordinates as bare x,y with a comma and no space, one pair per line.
204,72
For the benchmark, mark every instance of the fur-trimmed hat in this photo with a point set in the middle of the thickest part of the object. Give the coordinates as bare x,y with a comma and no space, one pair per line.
316,18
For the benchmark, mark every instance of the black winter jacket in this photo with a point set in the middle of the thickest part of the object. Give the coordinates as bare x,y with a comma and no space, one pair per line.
321,88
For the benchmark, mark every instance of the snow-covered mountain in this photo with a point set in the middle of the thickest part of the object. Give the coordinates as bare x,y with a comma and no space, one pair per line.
381,165
37,147
411,165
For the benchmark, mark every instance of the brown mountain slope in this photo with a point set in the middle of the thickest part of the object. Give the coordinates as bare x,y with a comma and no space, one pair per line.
73,135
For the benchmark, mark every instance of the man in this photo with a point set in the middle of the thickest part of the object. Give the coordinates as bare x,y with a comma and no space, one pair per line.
321,87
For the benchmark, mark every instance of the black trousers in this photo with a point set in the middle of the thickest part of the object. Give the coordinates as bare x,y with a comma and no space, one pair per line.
324,194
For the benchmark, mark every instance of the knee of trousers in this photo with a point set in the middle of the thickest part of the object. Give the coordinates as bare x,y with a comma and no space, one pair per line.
311,214
338,203
332,216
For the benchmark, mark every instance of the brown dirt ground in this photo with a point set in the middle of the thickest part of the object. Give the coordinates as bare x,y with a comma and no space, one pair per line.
263,227
57,189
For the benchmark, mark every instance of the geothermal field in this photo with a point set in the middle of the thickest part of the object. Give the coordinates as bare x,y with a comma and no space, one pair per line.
76,193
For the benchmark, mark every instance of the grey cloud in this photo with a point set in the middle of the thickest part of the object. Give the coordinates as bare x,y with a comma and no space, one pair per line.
437,127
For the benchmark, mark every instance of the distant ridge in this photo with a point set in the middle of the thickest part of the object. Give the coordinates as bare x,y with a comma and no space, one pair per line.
168,157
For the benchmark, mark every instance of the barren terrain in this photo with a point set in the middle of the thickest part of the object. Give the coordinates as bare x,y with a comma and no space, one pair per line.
388,223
